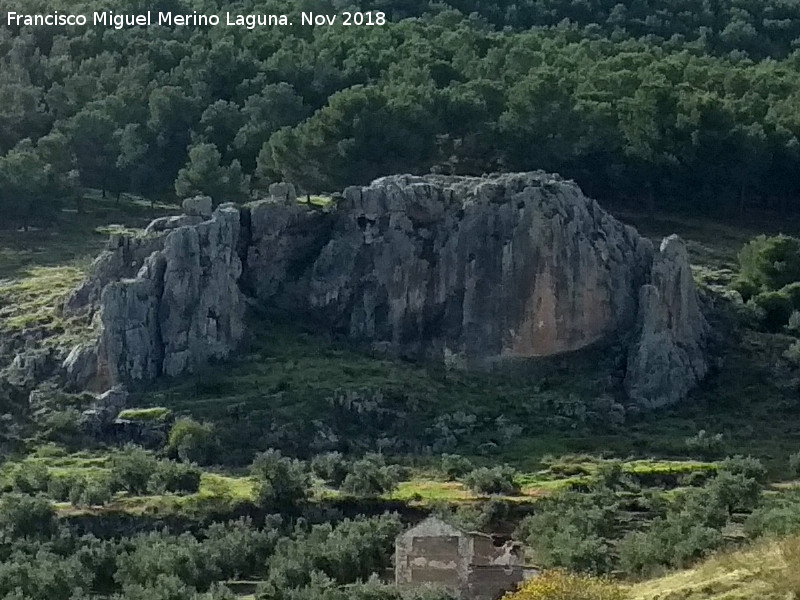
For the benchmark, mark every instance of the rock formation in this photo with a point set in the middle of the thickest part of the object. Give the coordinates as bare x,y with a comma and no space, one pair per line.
182,309
480,269
668,357
514,266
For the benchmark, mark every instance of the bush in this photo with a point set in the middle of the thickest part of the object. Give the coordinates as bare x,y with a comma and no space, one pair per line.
283,482
63,427
779,516
455,466
794,322
739,483
31,477
58,488
132,469
777,307
771,262
475,516
370,476
746,288
674,541
330,467
171,476
495,480
237,549
574,530
792,291
561,585
22,516
794,464
792,354
705,444
92,493
348,552
745,466
192,441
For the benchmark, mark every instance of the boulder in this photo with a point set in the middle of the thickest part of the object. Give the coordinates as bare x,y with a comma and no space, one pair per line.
80,365
167,223
103,412
199,206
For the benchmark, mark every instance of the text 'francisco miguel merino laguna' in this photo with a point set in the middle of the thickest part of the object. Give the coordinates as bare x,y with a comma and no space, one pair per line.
169,19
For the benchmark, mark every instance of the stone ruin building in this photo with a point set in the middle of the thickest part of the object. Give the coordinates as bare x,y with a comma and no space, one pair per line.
434,552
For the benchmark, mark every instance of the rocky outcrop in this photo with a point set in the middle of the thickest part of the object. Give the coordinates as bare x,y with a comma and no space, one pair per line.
182,309
474,271
519,265
282,239
668,357
123,257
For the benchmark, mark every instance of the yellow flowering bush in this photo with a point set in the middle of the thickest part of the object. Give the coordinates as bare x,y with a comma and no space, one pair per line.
562,585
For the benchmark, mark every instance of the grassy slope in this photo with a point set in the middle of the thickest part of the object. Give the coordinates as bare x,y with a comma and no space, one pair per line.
39,267
764,571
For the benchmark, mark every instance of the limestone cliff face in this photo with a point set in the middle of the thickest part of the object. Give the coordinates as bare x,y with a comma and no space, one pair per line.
668,357
519,265
480,269
182,308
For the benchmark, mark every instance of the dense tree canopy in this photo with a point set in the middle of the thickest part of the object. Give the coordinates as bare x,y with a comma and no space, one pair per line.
694,102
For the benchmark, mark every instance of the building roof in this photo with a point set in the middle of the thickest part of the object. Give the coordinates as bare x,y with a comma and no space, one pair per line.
432,527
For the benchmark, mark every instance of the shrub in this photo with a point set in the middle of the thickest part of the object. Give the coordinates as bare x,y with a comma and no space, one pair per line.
561,585
42,574
370,476
777,307
794,464
792,354
132,469
58,488
351,551
779,516
153,555
455,466
283,482
171,476
76,490
22,516
192,441
674,541
495,480
83,491
746,288
31,477
237,549
792,291
745,466
739,483
574,530
771,262
705,444
331,467
63,426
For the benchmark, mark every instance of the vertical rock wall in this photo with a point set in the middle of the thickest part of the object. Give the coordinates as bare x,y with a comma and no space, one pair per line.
483,269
